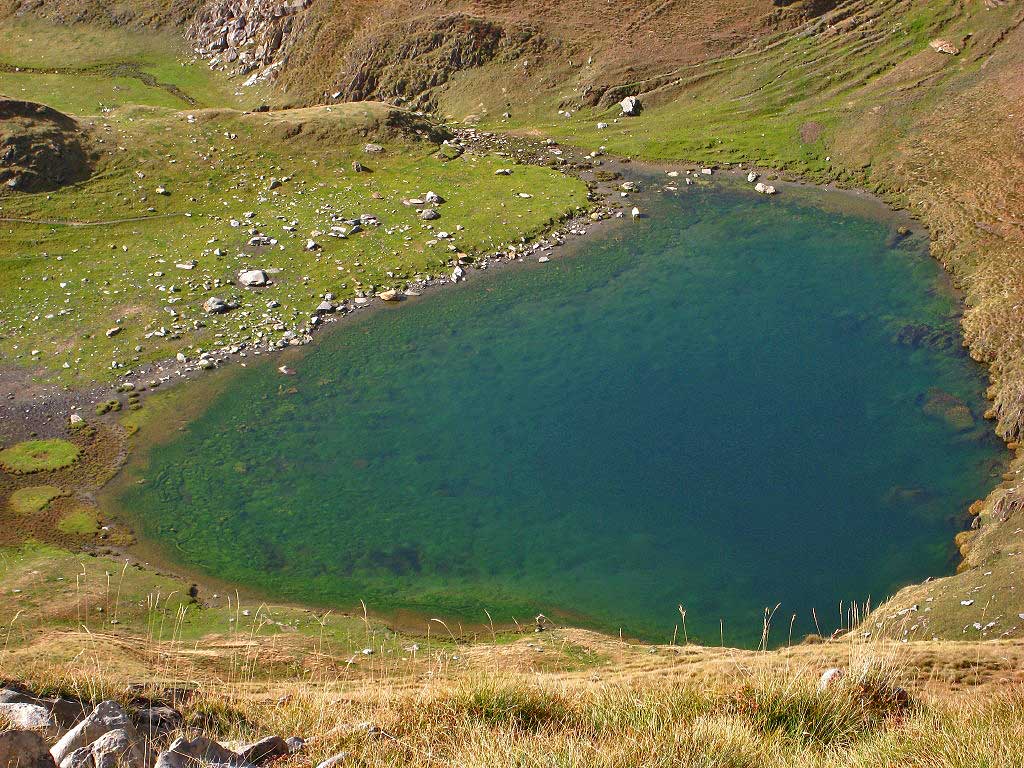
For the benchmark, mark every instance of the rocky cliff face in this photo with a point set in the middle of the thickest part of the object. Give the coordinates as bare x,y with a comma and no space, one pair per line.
246,37
403,63
400,62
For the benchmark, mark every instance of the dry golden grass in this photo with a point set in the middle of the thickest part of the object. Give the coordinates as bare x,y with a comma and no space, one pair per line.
916,704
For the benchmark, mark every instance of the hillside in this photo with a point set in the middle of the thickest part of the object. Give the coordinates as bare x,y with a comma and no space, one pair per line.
852,94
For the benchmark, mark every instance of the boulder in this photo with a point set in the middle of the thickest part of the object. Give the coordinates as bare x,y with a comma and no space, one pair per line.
184,753
67,712
631,106
944,46
325,307
215,306
24,749
107,716
253,277
264,750
115,749
429,214
80,758
31,717
119,748
157,720
433,198
388,295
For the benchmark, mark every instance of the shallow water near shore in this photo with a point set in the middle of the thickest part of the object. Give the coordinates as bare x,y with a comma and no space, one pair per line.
733,403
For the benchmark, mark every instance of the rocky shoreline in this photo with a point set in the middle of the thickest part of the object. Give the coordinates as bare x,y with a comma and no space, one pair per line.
30,409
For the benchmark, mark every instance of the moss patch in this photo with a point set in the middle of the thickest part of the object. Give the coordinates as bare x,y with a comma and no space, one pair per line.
27,501
79,522
38,456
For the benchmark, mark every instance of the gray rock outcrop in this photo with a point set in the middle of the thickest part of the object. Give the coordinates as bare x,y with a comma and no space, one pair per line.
185,753
24,749
31,717
106,717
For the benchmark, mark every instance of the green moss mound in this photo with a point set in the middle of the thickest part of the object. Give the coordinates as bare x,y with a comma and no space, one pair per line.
38,456
79,522
35,498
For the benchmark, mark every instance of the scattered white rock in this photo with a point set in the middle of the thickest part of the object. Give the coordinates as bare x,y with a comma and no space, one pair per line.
253,278
944,46
631,106
215,306
31,717
107,716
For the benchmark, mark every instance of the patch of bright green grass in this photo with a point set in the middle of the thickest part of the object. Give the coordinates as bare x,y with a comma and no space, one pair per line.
84,69
79,522
84,94
31,42
38,456
35,498
60,589
65,286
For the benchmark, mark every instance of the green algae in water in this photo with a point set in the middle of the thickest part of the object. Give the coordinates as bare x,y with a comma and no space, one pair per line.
713,407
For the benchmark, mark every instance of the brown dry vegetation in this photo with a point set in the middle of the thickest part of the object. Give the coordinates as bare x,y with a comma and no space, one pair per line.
567,698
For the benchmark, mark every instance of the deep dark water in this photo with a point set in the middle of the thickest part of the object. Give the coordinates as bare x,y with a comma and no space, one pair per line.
719,406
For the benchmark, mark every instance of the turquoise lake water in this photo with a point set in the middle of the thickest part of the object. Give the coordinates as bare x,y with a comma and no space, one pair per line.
720,406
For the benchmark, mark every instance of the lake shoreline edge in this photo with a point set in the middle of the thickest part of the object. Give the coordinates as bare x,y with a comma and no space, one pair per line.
612,215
